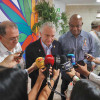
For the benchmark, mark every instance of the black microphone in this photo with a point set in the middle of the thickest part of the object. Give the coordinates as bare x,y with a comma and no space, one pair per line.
66,64
57,62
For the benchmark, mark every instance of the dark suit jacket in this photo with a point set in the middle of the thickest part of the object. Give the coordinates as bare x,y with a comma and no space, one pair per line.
35,50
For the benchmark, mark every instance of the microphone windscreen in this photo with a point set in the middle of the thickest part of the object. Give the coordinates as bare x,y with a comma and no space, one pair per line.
49,59
57,59
63,59
40,62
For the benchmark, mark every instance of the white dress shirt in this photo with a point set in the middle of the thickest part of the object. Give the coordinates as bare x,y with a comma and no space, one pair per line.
4,52
46,49
95,78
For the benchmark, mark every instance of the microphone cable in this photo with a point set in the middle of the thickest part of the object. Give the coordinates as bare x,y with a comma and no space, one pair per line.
51,88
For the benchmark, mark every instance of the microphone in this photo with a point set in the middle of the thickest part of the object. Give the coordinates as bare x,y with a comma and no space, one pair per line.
40,62
57,62
49,61
71,57
66,65
62,62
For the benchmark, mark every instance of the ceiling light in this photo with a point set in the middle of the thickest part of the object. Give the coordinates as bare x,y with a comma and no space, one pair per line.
98,14
97,0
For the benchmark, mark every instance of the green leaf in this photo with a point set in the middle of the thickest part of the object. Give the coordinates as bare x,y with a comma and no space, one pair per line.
22,37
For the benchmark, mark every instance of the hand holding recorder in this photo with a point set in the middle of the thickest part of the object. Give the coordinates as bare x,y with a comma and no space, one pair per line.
11,60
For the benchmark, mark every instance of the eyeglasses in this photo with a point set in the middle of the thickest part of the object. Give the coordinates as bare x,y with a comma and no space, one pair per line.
13,38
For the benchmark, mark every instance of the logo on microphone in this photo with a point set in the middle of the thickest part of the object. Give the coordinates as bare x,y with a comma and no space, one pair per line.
40,62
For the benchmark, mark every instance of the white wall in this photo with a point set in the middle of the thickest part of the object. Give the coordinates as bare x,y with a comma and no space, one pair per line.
88,12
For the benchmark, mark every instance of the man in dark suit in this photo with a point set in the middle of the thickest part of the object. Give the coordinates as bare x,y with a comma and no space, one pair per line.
45,45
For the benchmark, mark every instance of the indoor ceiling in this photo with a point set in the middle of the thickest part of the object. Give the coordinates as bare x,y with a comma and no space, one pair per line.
82,2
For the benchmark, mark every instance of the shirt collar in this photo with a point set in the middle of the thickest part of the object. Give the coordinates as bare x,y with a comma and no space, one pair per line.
44,46
81,34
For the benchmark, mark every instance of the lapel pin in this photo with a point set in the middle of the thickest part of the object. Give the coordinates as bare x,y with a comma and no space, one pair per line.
39,50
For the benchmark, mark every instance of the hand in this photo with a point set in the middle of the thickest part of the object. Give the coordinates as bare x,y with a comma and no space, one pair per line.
55,73
11,60
71,73
32,68
82,69
41,75
89,57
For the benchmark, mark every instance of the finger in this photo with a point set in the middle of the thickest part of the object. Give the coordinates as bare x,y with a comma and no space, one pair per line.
50,70
78,65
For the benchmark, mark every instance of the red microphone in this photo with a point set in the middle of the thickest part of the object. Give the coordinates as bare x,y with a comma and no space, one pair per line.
49,61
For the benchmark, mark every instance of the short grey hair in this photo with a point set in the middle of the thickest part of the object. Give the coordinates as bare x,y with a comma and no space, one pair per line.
49,24
4,25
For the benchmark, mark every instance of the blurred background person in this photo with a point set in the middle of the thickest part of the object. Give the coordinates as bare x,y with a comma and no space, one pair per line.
85,90
13,84
95,32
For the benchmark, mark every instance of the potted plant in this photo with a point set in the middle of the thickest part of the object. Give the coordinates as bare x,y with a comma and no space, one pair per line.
48,13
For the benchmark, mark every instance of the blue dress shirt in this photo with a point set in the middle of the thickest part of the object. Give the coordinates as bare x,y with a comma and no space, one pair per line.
84,43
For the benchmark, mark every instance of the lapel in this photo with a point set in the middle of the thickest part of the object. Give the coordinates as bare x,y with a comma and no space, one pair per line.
53,50
40,48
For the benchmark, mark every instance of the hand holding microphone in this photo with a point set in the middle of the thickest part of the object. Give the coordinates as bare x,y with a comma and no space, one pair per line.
49,61
39,63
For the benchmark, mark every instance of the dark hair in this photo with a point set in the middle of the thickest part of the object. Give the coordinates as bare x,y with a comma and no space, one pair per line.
93,26
13,84
85,90
4,25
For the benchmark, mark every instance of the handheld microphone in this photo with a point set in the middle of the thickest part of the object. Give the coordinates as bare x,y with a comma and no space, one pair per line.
71,57
57,62
40,62
49,61
66,65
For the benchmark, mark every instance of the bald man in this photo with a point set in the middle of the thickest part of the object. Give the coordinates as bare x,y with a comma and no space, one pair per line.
75,41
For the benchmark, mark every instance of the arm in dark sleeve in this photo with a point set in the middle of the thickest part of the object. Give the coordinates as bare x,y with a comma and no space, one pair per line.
29,56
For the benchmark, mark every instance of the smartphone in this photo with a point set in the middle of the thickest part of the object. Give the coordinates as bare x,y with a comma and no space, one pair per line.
22,52
81,62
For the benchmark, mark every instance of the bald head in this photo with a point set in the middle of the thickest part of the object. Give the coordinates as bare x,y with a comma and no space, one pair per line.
75,17
6,24
75,24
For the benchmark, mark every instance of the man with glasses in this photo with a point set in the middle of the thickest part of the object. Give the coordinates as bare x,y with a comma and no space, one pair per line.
9,36
77,42
45,45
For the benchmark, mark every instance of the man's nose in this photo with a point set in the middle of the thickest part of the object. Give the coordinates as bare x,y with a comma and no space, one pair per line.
74,28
